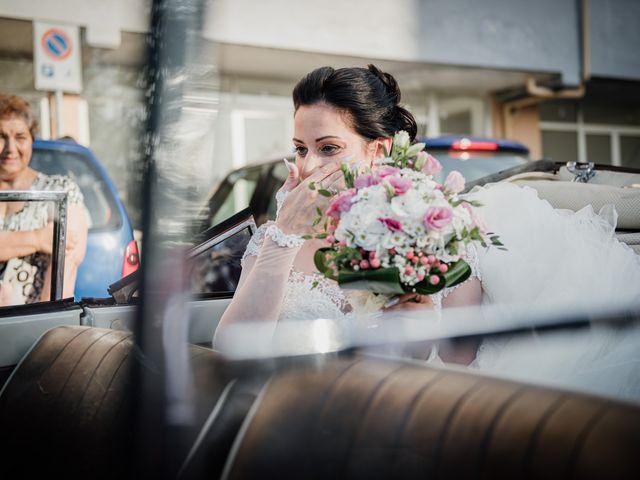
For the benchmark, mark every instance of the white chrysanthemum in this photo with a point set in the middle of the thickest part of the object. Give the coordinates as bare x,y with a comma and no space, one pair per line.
409,206
374,195
461,220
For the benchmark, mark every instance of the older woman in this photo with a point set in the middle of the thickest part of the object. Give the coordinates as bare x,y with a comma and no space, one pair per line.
26,229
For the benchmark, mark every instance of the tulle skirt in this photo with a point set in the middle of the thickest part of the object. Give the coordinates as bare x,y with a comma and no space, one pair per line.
559,263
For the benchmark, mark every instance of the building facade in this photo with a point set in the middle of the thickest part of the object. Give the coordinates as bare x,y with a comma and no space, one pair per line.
561,76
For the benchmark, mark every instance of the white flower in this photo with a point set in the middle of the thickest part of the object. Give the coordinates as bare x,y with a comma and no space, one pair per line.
401,139
461,220
409,205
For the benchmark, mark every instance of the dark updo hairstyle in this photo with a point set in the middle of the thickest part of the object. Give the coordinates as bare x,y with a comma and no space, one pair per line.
15,106
369,96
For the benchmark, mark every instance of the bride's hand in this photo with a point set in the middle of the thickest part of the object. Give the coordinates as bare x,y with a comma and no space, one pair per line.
410,302
299,208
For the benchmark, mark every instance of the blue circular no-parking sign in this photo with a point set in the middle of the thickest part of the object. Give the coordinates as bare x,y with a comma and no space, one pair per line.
56,44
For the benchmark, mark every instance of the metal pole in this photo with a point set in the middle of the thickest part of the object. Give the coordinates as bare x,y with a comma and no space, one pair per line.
59,123
162,378
59,247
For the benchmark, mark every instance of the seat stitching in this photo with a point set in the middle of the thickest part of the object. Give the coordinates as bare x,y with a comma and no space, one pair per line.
582,438
88,347
486,440
115,374
329,394
363,416
447,426
97,367
409,412
53,361
551,409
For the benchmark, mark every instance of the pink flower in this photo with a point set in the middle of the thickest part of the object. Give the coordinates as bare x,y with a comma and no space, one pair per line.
341,203
400,185
431,165
437,218
392,224
365,180
454,182
478,221
386,171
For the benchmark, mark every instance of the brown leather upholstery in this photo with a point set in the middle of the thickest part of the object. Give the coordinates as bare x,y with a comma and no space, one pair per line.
376,418
66,408
63,410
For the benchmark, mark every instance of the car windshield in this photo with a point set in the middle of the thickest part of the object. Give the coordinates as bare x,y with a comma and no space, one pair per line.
475,165
99,201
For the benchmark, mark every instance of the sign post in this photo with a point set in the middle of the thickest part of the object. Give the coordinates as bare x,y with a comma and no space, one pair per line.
57,62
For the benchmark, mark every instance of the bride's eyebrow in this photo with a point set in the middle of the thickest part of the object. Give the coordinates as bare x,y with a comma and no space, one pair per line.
326,137
318,139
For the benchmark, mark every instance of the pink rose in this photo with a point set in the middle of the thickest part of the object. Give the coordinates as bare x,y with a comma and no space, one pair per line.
437,218
392,224
400,185
341,203
365,180
431,164
454,182
386,171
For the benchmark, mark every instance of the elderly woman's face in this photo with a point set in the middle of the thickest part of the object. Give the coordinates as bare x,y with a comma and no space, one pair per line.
322,135
15,145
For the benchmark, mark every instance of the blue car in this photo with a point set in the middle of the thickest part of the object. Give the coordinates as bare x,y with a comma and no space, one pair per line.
111,249
475,157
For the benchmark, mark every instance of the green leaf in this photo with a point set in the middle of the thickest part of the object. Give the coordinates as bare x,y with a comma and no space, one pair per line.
318,211
324,193
316,221
312,186
307,237
322,235
321,262
379,280
457,273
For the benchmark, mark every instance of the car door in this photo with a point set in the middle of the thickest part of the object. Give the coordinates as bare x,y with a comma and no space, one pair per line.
214,265
22,325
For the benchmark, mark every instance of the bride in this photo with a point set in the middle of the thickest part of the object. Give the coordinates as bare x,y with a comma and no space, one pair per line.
351,114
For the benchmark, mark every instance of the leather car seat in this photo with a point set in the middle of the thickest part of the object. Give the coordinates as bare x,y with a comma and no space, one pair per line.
66,409
378,418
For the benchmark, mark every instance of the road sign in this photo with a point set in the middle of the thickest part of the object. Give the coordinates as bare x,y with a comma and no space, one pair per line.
57,57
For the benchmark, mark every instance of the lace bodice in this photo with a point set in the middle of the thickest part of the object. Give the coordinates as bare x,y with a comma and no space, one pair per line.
311,296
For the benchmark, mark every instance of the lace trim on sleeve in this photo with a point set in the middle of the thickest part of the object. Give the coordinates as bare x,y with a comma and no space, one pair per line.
474,262
255,244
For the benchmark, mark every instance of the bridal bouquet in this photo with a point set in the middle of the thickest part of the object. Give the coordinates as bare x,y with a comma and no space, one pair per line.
394,230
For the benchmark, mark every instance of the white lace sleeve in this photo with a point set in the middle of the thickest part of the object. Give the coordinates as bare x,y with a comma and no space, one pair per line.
255,244
473,261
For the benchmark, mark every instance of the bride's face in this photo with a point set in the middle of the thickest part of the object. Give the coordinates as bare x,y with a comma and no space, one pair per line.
323,134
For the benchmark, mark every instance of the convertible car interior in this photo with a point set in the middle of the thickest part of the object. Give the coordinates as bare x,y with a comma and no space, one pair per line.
66,411
68,407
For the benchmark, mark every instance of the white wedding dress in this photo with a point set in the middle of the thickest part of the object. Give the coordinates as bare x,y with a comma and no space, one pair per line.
555,260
